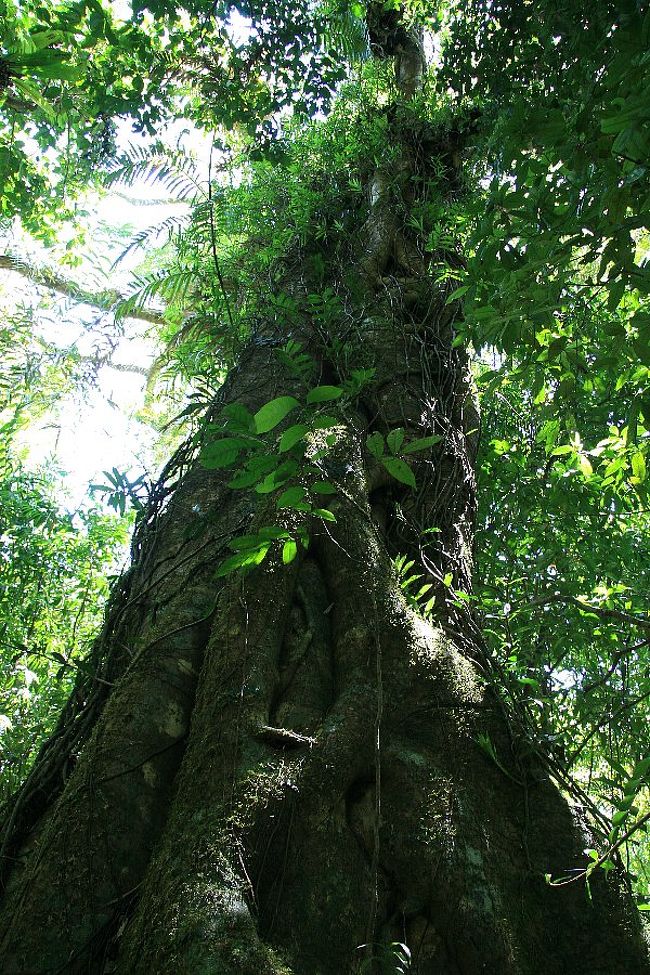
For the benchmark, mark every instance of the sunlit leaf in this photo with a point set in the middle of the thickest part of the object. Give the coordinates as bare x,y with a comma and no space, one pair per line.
324,394
273,412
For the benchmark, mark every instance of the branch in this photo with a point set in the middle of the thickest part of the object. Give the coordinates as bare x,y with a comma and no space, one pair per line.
599,862
607,614
18,105
45,278
107,363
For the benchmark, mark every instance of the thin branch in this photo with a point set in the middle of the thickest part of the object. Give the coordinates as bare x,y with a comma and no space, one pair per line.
618,656
45,278
613,848
126,366
602,612
600,724
213,243
18,105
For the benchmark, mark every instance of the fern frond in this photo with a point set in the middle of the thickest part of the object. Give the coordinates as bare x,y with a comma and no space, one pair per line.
344,33
191,329
169,227
172,168
173,286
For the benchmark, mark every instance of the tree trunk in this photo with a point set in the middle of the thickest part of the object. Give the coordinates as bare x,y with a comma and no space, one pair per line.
293,771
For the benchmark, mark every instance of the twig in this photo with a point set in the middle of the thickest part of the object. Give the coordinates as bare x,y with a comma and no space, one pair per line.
604,613
599,862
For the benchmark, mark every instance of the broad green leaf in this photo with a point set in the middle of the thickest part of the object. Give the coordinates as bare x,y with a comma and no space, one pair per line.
585,465
277,478
375,444
221,453
458,293
324,514
324,394
272,533
638,467
289,551
400,470
324,422
244,543
244,480
239,418
424,443
323,487
273,412
242,560
60,72
292,436
529,681
395,439
291,497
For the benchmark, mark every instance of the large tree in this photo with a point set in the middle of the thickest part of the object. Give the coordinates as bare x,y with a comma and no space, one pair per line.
275,762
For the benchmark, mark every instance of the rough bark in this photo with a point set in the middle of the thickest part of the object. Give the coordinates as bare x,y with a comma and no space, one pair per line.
288,771
324,788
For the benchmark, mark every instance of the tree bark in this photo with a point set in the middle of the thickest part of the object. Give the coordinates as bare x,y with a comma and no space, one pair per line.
292,771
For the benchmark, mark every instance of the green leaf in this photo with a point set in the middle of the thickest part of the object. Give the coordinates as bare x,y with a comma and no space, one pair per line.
245,543
274,412
271,533
395,439
324,422
323,487
289,551
291,497
292,436
60,72
400,470
242,560
375,444
31,91
458,293
277,478
238,418
422,444
585,465
324,514
324,394
221,453
244,480
638,467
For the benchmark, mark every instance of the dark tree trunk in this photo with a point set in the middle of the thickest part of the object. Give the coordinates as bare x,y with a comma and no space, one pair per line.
276,769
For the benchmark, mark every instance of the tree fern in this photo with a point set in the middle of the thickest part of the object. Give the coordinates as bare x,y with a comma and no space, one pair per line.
174,169
167,227
172,285
340,30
